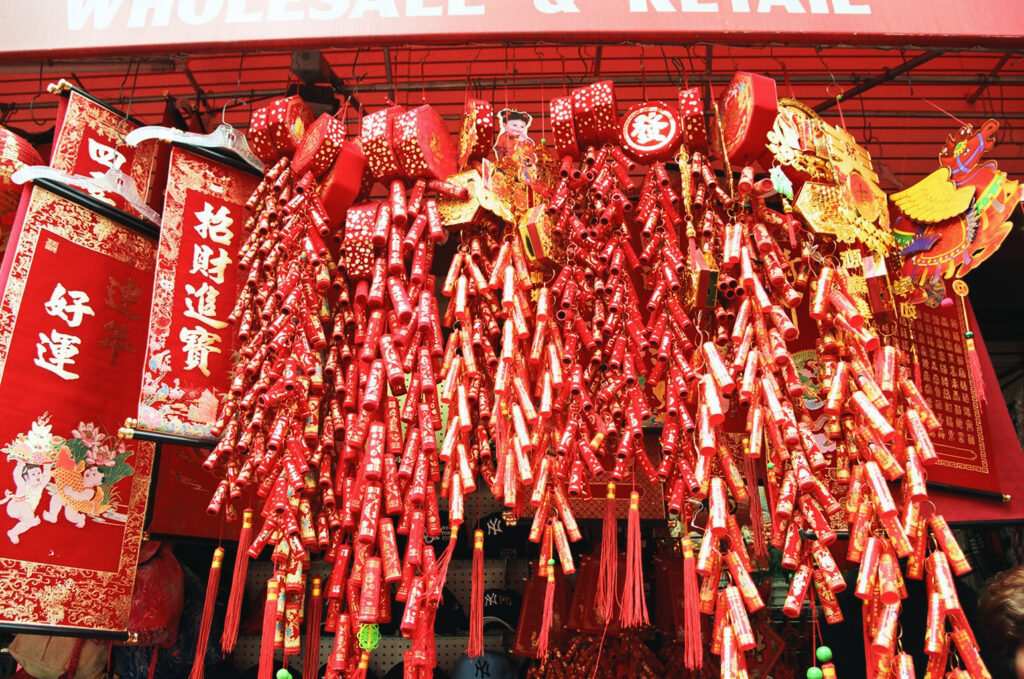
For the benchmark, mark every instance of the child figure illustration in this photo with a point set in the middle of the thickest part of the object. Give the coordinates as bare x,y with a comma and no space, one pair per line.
77,488
515,127
29,481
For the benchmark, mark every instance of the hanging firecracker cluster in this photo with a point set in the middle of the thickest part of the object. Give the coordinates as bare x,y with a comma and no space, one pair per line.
673,281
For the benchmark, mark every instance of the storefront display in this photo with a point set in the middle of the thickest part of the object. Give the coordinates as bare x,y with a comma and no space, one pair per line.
687,349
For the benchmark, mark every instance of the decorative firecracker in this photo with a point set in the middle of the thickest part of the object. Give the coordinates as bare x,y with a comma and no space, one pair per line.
650,132
666,294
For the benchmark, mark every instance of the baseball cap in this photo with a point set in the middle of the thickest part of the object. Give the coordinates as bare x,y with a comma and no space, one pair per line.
502,539
501,608
490,665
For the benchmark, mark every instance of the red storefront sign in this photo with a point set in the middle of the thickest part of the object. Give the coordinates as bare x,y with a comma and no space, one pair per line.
79,26
72,335
188,356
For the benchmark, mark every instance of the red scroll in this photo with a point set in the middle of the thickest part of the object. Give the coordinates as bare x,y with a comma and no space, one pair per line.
965,452
188,356
72,336
89,141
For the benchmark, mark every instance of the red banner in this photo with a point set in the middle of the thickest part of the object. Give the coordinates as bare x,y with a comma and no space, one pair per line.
965,452
108,26
181,494
89,142
188,356
72,332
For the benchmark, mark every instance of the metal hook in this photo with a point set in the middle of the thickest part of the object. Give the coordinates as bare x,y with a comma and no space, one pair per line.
32,110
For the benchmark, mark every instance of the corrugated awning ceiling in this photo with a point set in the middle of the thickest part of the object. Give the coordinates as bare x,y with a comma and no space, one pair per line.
902,121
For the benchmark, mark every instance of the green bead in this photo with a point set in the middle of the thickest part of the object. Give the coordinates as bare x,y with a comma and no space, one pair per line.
814,673
551,562
824,654
543,141
283,674
771,465
969,335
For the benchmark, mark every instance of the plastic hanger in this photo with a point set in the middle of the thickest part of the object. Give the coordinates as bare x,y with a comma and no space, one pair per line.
113,181
225,137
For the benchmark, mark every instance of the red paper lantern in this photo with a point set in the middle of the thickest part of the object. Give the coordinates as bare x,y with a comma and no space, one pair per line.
477,135
343,181
747,108
376,135
691,112
423,145
276,130
320,146
563,128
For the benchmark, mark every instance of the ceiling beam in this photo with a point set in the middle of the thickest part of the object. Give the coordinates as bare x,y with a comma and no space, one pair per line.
884,77
389,79
987,79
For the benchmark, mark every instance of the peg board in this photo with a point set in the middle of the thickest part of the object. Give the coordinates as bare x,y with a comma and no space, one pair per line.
498,573
450,649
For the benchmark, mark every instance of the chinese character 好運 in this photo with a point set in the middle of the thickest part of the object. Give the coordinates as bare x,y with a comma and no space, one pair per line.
62,349
69,305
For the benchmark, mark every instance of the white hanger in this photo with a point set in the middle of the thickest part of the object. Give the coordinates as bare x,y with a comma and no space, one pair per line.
112,181
225,137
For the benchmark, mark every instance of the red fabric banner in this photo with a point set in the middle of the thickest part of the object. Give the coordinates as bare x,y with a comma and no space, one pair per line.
181,493
188,355
89,141
72,330
963,444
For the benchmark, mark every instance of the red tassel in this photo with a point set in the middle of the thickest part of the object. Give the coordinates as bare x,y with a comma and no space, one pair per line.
198,665
476,604
691,621
312,657
266,670
634,606
549,612
364,662
152,662
975,363
756,517
608,575
234,613
439,571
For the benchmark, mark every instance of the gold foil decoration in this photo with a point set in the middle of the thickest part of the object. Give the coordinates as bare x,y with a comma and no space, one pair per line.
841,197
456,214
